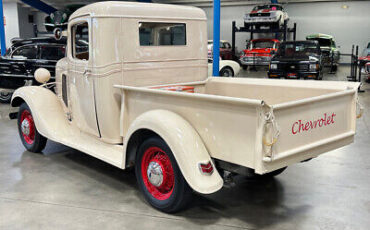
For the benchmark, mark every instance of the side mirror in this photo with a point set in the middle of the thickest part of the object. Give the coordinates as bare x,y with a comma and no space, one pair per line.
42,75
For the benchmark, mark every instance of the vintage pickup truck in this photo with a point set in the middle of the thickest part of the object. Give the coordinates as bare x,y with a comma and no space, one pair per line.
120,101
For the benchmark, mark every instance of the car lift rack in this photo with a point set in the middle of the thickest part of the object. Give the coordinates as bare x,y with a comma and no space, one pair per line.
283,30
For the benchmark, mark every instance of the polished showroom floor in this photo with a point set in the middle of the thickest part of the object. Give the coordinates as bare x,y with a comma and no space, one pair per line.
66,189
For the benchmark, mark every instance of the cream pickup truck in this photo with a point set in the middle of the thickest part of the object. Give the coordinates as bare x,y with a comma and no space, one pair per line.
133,91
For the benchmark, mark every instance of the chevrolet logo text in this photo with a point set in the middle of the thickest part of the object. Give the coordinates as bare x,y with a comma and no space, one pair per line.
302,126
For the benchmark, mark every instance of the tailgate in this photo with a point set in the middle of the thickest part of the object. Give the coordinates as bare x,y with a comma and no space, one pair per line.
310,127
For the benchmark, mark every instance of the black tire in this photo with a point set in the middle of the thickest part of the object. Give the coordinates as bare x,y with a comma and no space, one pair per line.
252,174
274,173
226,72
32,142
5,97
180,195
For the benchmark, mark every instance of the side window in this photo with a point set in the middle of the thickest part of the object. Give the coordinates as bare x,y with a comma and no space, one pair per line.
28,52
52,52
80,41
162,34
227,45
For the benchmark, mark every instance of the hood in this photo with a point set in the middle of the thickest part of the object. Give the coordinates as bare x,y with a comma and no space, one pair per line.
259,51
261,11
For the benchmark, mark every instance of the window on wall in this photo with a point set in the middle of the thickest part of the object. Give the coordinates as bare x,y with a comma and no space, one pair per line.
80,43
162,34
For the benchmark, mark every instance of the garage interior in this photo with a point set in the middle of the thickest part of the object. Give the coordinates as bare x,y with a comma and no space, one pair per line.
63,188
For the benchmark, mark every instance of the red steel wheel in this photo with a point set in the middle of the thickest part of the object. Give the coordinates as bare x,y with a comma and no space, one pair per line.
27,127
159,177
31,139
157,173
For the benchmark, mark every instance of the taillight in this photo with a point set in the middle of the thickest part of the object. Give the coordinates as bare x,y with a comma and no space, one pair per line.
206,168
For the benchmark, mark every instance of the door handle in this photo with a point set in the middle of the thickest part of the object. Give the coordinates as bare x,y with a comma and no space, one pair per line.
86,72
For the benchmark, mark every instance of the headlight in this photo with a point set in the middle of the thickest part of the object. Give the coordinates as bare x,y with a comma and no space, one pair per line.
273,66
313,67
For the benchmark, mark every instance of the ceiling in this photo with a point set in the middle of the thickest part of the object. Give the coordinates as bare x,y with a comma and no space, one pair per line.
60,4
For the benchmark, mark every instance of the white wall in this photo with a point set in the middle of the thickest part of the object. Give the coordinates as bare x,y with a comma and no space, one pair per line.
25,27
11,21
348,26
40,20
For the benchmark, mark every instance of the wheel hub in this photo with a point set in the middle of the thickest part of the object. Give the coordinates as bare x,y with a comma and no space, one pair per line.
25,126
155,173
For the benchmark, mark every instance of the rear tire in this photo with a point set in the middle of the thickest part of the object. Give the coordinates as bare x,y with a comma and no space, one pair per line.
159,177
31,139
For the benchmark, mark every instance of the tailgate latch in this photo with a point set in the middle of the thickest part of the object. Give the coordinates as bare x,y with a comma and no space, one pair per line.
270,135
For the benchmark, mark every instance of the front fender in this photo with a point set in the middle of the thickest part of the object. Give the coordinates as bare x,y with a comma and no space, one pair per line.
46,109
185,144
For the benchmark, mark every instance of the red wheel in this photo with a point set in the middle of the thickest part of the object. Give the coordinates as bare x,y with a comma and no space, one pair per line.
157,173
27,127
159,176
32,140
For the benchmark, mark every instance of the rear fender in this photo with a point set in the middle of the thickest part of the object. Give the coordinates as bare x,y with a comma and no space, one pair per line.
185,144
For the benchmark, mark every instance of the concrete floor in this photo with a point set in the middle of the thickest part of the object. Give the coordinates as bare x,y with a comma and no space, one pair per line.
66,189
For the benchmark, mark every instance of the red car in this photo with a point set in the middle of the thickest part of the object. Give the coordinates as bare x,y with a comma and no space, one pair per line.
365,56
259,52
225,50
367,70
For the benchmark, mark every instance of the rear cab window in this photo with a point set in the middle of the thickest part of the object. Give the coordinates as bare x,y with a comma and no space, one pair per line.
162,34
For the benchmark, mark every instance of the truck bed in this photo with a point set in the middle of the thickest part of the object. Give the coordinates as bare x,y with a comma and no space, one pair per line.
305,118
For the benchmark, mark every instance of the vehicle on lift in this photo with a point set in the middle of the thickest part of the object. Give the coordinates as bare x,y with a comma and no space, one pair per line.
271,15
365,56
259,52
225,50
23,58
297,59
227,68
150,105
367,71
330,51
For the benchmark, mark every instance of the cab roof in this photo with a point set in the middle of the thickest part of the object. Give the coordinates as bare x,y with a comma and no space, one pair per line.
139,10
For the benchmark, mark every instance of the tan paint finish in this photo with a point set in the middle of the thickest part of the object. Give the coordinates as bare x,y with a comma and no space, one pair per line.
223,119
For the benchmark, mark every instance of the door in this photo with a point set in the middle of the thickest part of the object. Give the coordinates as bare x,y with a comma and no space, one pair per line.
80,78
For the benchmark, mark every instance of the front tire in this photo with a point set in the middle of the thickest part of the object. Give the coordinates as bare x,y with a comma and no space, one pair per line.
159,177
31,139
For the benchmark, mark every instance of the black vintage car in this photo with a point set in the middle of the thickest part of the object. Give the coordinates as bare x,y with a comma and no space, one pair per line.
297,59
23,58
